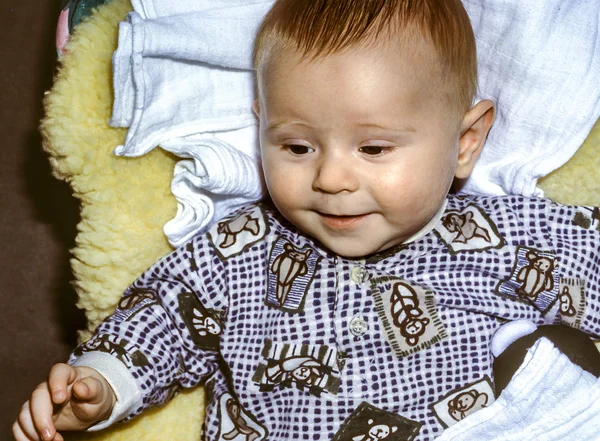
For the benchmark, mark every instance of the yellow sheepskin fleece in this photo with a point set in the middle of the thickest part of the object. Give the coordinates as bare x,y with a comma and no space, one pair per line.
125,202
578,181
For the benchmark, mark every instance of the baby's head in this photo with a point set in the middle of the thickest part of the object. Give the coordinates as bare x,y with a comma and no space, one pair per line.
365,115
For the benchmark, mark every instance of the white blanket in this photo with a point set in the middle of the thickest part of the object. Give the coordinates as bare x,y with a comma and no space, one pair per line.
540,62
548,399
183,69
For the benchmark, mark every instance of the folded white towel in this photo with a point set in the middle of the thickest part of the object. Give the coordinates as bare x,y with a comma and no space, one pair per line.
188,67
548,399
185,74
540,61
217,179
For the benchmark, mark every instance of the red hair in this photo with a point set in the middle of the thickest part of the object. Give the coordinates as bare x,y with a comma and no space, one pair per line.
317,28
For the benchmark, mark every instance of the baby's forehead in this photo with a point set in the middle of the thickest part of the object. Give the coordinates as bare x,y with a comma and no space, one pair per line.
377,74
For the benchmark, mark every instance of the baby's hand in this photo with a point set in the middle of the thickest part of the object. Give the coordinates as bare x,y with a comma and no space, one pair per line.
73,398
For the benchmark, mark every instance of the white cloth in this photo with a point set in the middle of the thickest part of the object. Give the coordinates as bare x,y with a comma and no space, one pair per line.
548,399
540,62
184,68
509,333
216,179
164,8
186,74
185,82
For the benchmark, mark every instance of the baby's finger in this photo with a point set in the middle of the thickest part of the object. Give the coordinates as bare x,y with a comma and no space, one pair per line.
61,376
41,409
19,434
88,390
24,425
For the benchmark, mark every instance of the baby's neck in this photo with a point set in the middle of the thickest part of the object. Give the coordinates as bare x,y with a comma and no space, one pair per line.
429,225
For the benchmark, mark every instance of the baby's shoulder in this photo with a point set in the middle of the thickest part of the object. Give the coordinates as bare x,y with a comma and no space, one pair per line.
240,230
247,230
499,204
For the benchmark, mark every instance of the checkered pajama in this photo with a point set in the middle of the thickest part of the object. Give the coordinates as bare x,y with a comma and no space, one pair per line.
257,336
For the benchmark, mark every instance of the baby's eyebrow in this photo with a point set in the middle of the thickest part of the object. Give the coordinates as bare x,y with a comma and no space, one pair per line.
276,126
407,128
273,127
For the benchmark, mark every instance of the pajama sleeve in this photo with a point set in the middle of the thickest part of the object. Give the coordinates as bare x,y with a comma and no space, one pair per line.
575,235
164,332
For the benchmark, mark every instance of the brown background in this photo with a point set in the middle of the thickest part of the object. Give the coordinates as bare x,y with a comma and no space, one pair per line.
38,215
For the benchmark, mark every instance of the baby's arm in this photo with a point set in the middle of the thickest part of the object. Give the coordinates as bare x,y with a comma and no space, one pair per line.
155,343
148,349
73,398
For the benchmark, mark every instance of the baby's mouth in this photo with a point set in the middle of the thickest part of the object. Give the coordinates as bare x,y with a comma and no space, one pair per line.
341,221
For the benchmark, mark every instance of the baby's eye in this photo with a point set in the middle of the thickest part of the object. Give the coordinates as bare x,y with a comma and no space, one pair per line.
374,150
298,149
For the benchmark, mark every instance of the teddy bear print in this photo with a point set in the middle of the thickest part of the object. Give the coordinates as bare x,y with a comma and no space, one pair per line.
302,369
314,369
588,218
136,297
369,423
536,276
465,227
566,303
376,432
407,314
231,228
288,266
240,426
460,403
466,403
205,324
114,347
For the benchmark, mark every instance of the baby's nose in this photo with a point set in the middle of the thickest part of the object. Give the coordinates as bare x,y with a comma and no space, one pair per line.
335,175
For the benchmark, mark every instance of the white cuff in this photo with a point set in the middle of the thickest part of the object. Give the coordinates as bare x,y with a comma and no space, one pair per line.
129,396
510,332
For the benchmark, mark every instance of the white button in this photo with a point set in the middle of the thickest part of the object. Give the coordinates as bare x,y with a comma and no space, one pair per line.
358,326
359,274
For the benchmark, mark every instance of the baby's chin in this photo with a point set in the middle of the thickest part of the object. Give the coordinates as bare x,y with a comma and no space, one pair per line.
357,248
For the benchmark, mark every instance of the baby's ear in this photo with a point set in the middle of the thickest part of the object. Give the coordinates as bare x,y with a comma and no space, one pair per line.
474,129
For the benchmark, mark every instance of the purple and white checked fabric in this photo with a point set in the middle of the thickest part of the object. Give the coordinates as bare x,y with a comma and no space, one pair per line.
294,342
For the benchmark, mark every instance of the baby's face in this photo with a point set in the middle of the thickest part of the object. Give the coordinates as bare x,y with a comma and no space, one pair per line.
358,148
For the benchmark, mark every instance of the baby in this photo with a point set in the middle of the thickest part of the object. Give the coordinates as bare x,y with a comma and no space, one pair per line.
360,300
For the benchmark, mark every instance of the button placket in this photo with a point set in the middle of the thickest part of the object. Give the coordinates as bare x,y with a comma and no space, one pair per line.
359,274
352,277
358,326
351,323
